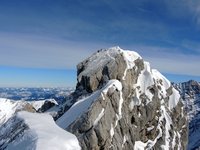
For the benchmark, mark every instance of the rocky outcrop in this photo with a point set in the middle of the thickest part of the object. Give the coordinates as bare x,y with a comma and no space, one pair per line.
121,103
43,105
190,93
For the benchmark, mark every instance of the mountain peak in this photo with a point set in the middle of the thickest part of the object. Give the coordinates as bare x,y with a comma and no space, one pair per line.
111,63
127,105
120,102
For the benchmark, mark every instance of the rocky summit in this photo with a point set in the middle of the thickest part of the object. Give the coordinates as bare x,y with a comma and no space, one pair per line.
121,103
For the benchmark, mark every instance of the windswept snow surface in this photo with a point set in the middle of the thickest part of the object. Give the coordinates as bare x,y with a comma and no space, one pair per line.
82,105
43,134
130,57
174,99
101,59
8,108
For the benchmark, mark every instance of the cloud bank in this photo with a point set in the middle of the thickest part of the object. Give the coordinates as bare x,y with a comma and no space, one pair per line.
42,52
60,34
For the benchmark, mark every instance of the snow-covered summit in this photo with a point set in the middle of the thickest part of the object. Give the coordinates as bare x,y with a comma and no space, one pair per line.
143,113
104,56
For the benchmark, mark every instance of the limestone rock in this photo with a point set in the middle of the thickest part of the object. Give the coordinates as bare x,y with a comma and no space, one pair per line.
121,103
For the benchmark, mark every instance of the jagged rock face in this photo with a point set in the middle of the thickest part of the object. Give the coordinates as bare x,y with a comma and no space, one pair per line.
190,93
131,106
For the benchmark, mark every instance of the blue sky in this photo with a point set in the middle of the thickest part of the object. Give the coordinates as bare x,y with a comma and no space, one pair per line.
41,41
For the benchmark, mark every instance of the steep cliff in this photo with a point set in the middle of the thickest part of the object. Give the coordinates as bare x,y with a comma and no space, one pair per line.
121,103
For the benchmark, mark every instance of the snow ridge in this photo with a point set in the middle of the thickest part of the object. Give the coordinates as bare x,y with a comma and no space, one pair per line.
43,133
82,105
8,108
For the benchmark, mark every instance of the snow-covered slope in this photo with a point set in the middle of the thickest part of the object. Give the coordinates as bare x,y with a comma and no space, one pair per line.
84,104
124,104
9,107
37,132
190,93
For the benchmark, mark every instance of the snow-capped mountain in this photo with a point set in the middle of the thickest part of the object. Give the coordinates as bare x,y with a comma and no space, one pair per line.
119,103
190,93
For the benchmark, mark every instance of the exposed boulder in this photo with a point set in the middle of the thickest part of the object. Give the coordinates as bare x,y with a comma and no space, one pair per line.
43,105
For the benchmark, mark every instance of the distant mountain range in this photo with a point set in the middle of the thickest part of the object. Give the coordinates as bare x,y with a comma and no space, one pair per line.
190,93
35,94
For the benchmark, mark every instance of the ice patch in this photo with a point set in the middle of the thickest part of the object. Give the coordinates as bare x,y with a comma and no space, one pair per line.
139,145
129,57
173,99
8,108
150,128
99,117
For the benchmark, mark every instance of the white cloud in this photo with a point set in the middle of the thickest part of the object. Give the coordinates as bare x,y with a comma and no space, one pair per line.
176,66
170,60
184,8
42,52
